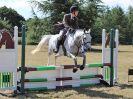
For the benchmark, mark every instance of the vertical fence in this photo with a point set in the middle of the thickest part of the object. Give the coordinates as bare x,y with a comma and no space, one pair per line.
8,65
109,72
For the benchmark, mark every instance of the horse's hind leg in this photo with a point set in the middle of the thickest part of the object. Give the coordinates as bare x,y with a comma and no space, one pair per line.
55,60
49,54
48,60
56,56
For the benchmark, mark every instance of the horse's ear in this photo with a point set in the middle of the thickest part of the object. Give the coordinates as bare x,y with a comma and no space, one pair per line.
89,31
84,30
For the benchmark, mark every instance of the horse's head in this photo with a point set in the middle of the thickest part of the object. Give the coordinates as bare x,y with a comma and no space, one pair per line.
84,37
87,39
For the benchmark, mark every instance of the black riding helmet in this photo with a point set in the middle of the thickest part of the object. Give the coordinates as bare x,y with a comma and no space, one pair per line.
73,8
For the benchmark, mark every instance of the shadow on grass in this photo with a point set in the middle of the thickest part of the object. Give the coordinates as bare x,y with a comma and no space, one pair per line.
100,50
95,50
97,94
86,91
125,51
126,86
68,93
7,94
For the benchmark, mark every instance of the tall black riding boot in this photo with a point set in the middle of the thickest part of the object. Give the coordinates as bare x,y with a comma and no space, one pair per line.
64,49
57,46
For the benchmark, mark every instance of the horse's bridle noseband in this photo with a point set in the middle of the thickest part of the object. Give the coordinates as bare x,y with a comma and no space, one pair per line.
82,44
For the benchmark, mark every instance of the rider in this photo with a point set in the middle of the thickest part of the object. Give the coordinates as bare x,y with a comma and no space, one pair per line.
70,22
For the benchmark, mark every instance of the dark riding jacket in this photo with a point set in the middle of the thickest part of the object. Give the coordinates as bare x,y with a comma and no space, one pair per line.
70,22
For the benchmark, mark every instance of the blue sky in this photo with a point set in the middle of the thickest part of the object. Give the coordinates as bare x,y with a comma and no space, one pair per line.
23,6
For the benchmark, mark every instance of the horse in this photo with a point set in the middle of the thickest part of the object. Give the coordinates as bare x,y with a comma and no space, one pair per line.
6,39
76,45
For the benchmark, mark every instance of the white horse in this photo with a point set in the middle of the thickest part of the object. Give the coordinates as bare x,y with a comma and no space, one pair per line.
76,45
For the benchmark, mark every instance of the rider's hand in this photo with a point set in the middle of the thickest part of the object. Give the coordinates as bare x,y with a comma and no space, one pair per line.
59,22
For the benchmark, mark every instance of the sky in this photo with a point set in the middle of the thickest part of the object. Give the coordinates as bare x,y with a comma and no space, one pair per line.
23,7
123,3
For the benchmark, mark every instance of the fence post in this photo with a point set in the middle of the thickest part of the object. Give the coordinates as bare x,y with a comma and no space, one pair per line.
111,56
22,90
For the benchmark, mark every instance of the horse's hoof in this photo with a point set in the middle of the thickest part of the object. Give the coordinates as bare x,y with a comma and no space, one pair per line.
75,70
82,67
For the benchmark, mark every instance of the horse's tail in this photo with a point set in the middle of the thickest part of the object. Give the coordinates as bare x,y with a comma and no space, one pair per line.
44,41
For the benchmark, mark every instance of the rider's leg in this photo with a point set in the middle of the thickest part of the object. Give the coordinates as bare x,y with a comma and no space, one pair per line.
64,36
59,41
63,40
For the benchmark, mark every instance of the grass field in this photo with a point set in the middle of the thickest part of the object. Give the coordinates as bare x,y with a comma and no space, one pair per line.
122,90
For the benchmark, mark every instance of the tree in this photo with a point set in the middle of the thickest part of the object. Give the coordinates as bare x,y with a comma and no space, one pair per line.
89,11
111,18
36,28
5,25
11,16
55,9
119,21
129,35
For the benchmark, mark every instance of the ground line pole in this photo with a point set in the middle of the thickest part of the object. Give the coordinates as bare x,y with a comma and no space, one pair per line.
23,61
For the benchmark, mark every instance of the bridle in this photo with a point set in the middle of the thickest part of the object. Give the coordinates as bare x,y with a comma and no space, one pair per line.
78,45
85,43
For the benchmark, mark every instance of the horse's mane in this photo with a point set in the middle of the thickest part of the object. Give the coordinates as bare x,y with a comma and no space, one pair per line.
79,29
79,32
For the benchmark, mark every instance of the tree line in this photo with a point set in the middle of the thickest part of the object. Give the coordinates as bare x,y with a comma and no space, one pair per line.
92,14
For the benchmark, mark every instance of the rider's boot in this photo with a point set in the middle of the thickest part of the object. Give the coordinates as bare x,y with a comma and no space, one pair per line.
57,46
64,49
60,41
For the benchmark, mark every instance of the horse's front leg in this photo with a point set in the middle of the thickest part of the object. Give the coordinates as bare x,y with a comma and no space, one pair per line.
84,63
75,61
75,66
